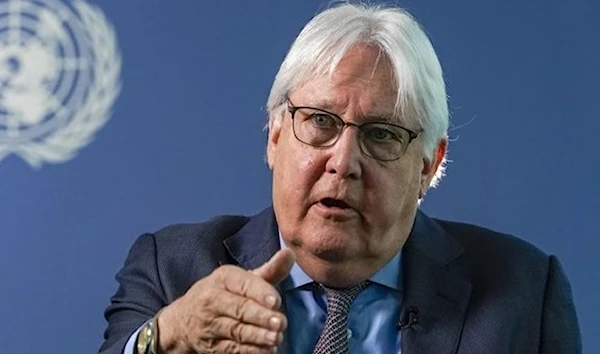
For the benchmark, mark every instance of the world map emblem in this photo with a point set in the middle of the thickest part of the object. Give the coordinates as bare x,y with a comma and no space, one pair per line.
60,69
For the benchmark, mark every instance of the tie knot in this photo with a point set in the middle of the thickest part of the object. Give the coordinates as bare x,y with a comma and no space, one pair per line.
340,299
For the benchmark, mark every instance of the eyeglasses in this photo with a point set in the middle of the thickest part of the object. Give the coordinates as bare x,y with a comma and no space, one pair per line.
319,128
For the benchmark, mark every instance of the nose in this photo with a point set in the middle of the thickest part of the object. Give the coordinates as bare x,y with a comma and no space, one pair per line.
345,155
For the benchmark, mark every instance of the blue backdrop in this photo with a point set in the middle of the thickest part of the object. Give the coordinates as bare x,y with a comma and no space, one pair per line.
186,142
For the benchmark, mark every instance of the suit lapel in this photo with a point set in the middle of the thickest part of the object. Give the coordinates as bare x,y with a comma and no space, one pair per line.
255,243
434,286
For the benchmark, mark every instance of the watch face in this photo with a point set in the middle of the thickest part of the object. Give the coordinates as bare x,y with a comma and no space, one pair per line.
144,338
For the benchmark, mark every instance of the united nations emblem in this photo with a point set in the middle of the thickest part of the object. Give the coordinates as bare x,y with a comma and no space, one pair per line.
59,77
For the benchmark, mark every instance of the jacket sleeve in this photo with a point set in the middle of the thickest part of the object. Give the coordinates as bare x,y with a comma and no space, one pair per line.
139,297
560,332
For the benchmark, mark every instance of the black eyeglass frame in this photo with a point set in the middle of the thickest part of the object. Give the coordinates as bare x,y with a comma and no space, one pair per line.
293,109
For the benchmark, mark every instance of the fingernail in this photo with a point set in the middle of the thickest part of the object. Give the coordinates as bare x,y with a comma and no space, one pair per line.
270,300
272,337
275,323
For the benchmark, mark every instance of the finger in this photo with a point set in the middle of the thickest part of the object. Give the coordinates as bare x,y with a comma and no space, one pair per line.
229,346
246,310
244,333
248,284
278,267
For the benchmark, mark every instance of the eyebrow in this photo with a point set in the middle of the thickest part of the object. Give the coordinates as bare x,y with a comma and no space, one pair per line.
371,117
383,118
329,107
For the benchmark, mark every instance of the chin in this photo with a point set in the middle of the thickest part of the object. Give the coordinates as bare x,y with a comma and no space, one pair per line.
335,274
332,260
335,245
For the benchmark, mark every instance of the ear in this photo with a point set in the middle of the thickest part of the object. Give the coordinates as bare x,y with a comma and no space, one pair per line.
430,168
274,134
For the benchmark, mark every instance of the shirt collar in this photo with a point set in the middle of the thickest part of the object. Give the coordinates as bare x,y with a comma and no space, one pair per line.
390,275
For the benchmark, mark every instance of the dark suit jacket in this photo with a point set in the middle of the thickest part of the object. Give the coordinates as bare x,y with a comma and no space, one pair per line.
476,291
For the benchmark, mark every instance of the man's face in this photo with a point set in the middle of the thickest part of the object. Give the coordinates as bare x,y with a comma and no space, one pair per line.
343,213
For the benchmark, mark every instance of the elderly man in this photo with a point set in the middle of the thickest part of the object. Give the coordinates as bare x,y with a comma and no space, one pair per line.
344,261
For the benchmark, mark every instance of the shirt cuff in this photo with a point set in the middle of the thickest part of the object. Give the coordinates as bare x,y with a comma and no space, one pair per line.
130,346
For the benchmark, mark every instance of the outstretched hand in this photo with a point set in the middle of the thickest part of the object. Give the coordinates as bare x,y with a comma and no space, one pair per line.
230,311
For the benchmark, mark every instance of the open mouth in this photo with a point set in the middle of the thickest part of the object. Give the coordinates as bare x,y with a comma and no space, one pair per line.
334,203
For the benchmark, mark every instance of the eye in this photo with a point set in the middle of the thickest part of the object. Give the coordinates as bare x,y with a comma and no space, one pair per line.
322,120
379,134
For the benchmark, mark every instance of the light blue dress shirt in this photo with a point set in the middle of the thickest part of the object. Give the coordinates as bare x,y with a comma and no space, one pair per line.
131,342
371,323
372,320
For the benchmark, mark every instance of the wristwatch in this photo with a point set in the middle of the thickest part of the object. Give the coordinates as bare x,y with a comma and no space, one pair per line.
147,338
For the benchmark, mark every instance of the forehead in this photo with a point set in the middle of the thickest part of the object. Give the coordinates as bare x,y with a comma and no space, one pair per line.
361,83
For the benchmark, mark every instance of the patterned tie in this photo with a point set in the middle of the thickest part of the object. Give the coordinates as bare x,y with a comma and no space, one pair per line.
334,338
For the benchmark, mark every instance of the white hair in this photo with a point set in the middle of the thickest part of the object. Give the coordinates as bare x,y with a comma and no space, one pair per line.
324,41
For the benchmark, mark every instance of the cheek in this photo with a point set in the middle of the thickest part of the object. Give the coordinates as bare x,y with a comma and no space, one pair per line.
294,159
295,173
392,194
300,167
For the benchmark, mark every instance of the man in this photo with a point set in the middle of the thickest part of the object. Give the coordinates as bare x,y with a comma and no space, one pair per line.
344,261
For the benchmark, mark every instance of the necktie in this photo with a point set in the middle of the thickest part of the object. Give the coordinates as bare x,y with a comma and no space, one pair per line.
334,338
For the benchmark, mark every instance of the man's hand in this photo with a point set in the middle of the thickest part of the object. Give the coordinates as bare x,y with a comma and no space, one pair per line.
230,311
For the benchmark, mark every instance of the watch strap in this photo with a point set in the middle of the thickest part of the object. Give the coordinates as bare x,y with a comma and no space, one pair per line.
147,339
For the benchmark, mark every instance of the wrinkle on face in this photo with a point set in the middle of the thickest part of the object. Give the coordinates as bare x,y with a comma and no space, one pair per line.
332,249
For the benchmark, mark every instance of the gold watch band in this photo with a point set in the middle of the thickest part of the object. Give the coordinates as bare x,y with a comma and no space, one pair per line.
147,339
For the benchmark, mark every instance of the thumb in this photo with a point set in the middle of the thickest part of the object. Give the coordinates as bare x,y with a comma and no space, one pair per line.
278,267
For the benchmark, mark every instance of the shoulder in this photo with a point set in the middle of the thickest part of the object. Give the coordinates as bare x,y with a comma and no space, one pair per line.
180,254
496,255
473,237
187,252
187,241
215,229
